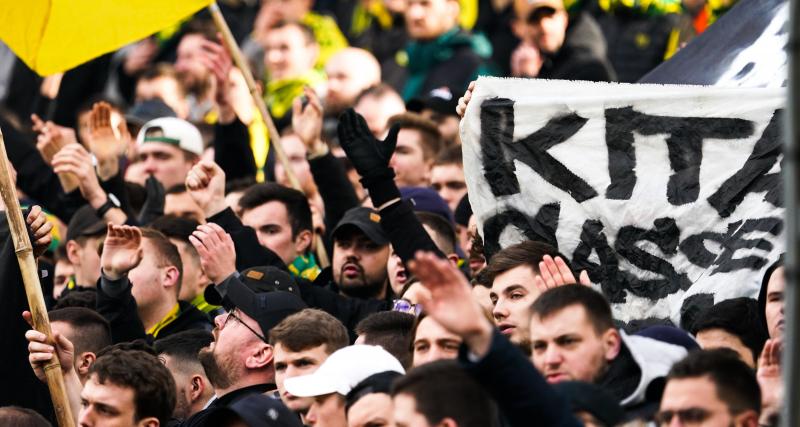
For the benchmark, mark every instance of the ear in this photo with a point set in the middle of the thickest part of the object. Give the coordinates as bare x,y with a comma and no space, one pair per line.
746,419
454,9
453,258
169,277
260,356
148,422
303,241
74,252
197,386
612,343
85,361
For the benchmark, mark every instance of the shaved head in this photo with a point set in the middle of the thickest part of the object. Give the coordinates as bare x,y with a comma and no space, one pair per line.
350,71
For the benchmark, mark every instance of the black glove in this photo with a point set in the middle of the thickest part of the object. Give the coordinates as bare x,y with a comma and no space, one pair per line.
369,156
153,206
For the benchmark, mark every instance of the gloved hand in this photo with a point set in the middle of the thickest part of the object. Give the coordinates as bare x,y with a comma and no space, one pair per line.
153,206
369,156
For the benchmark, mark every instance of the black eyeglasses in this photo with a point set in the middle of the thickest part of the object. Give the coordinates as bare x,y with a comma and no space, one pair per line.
235,317
451,185
689,416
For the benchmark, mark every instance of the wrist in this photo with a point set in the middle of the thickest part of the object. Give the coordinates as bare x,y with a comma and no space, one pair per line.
112,274
317,149
479,339
214,208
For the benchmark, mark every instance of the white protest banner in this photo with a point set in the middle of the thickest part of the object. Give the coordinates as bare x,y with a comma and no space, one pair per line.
670,196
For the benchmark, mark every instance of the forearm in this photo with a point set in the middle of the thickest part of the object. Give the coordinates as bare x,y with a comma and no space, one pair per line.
334,187
117,305
406,232
232,150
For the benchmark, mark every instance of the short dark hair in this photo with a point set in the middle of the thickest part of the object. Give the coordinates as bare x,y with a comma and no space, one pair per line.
184,346
556,299
21,417
737,316
175,227
310,328
166,252
529,252
139,344
92,331
735,382
239,184
442,390
445,234
391,330
430,137
152,384
296,203
77,298
450,156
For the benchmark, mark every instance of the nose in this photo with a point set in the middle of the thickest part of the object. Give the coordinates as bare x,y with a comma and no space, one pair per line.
84,418
219,321
311,415
499,312
552,356
150,165
393,160
414,11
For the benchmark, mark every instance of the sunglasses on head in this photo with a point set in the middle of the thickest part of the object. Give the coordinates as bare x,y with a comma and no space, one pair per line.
542,12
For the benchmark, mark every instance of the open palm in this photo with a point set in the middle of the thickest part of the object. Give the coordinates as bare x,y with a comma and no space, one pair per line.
122,250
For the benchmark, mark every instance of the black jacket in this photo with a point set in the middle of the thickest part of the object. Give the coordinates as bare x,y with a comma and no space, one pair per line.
249,253
583,56
521,393
121,313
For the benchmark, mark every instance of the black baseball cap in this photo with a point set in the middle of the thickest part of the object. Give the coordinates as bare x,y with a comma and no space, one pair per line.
365,219
258,279
266,308
441,100
150,109
255,410
84,223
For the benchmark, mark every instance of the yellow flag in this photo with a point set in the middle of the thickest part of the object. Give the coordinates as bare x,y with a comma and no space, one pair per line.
52,36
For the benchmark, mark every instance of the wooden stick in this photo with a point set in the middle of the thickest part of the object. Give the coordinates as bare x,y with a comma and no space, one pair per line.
33,289
274,136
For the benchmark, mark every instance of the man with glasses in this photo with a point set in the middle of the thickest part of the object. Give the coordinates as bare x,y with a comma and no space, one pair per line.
240,360
710,388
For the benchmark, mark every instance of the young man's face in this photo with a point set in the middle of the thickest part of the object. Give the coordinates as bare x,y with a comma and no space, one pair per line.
164,161
433,342
410,166
85,258
189,62
428,19
698,397
359,264
566,346
289,364
405,412
448,181
327,411
106,405
397,272
512,294
372,410
774,307
149,279
183,205
286,53
545,28
274,230
285,10
296,152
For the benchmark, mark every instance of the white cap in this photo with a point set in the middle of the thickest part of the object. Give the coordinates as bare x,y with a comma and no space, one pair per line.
174,131
343,370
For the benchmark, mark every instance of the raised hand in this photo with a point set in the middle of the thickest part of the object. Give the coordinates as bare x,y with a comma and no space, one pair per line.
307,122
40,229
369,155
218,62
216,250
450,301
464,100
206,185
122,250
74,160
769,377
554,272
40,351
106,142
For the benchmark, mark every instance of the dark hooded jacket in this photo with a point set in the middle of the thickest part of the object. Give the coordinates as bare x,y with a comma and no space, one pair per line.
583,56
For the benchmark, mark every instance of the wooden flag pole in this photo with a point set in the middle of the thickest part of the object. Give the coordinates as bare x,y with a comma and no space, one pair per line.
274,136
33,289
